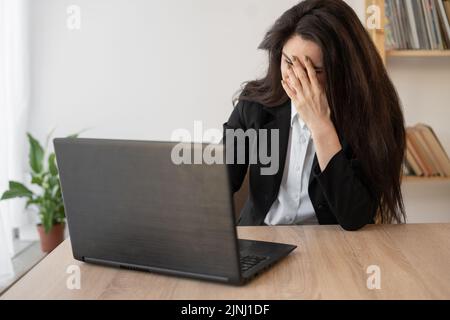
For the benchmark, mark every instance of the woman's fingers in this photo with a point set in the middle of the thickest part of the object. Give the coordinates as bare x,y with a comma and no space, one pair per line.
302,76
294,81
311,73
290,92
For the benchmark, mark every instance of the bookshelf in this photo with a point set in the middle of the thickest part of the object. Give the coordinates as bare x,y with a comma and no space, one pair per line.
418,53
425,179
378,37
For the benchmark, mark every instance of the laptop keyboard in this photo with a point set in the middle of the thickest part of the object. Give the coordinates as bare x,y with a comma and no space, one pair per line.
248,262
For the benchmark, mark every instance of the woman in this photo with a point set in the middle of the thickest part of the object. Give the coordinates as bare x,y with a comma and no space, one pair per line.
341,127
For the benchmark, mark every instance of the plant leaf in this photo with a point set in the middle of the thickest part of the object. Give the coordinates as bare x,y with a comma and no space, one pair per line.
48,216
32,201
16,190
37,179
52,165
76,135
54,192
36,155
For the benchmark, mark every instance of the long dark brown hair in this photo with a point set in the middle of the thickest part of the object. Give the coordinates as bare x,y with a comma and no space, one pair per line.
364,104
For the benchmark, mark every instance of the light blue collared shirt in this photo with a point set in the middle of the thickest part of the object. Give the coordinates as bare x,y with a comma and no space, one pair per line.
293,205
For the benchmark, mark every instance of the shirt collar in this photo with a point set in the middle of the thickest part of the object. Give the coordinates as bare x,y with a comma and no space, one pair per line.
295,116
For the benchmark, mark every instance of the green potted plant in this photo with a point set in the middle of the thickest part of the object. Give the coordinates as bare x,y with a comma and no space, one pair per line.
48,200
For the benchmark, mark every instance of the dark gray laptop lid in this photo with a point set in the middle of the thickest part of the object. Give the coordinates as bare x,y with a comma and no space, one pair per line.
127,202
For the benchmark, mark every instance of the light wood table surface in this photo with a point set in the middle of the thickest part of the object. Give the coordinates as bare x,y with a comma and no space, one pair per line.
329,263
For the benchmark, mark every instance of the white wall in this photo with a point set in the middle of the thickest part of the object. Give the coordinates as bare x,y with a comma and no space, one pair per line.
424,88
139,69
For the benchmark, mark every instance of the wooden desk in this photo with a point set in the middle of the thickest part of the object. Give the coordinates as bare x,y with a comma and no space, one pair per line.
329,264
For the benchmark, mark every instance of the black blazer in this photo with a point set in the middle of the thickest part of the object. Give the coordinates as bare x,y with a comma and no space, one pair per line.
340,194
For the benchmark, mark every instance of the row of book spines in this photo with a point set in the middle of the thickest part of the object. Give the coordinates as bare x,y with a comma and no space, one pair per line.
425,155
418,24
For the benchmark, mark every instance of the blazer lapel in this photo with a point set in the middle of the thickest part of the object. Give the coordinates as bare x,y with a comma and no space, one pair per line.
279,118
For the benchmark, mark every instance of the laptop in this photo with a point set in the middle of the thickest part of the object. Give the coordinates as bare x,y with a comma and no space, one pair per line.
128,205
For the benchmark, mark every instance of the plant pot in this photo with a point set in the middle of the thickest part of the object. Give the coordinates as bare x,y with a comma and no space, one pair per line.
51,240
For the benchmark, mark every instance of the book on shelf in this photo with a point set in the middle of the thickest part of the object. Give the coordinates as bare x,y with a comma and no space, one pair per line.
425,155
417,24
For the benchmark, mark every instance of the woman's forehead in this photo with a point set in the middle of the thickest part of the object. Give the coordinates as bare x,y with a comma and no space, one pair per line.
299,47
